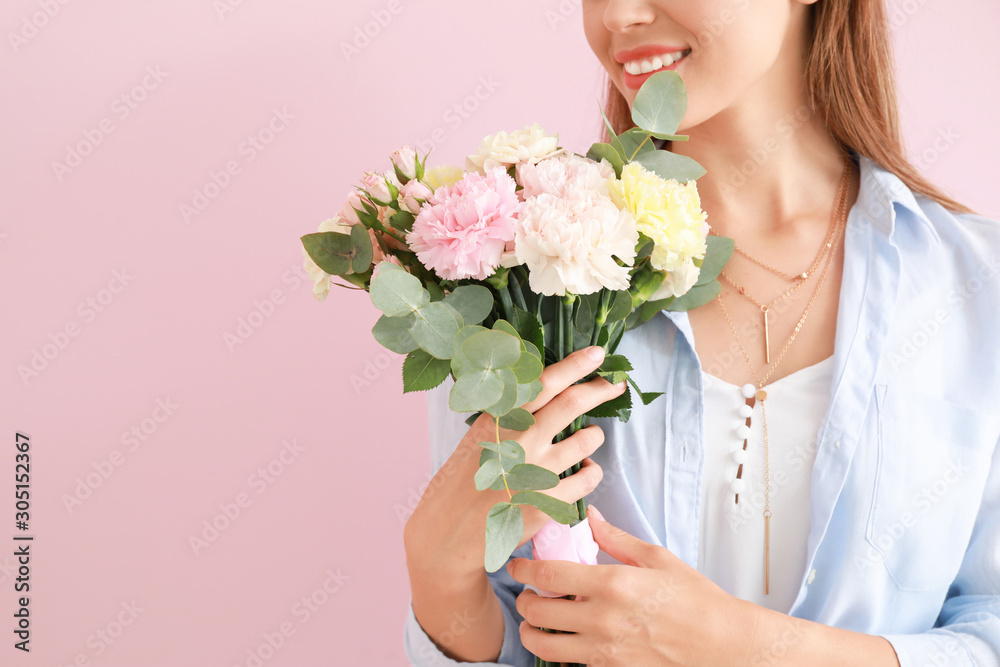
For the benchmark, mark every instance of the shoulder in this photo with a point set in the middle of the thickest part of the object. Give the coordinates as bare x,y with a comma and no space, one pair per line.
956,247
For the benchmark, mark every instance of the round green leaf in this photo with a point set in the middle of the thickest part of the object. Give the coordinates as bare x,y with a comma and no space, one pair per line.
504,530
395,292
434,328
393,333
475,391
661,102
474,302
492,350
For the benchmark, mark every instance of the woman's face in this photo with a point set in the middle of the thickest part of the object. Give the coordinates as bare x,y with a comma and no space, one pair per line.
720,48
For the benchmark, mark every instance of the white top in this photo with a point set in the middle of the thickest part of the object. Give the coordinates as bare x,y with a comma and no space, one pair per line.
731,551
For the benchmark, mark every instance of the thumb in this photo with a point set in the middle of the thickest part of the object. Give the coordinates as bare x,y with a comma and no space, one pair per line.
622,546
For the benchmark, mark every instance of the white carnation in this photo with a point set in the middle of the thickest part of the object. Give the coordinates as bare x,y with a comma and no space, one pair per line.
503,149
569,243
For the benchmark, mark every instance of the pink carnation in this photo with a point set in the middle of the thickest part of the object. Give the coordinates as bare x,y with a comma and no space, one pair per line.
462,230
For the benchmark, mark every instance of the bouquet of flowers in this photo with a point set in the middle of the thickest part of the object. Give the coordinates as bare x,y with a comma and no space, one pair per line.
530,253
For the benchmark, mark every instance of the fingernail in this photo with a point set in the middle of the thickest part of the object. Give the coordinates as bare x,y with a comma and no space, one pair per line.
595,352
597,514
620,385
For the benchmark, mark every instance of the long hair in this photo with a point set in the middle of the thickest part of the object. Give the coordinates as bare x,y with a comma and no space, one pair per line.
852,86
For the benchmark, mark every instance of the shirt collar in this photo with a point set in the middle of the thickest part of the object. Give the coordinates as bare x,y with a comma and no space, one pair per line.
882,193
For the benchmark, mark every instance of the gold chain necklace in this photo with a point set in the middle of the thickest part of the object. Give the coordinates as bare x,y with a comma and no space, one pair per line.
835,215
761,394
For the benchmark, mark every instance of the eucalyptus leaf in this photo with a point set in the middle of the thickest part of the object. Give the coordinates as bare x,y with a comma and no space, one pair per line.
697,296
661,102
717,254
562,512
504,530
421,371
434,328
528,392
332,251
529,477
508,398
393,333
492,350
517,419
506,327
475,390
489,472
361,250
528,367
607,152
395,292
669,165
471,419
474,302
508,449
636,142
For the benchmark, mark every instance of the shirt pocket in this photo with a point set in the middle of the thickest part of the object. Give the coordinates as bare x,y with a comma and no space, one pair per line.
932,462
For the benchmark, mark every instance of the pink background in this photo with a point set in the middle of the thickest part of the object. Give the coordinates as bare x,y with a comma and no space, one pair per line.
310,374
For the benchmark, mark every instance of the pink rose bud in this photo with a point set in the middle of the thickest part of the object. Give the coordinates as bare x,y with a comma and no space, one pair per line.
376,187
405,160
349,212
413,195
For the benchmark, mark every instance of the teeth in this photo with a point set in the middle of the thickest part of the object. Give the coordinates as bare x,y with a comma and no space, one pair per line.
647,65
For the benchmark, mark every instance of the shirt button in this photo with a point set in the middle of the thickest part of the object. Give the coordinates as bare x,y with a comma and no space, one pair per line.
837,444
812,575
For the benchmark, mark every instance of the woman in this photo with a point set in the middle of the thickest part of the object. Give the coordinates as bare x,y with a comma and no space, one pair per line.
861,524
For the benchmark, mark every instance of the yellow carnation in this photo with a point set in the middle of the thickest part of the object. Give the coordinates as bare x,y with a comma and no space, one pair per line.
437,177
666,211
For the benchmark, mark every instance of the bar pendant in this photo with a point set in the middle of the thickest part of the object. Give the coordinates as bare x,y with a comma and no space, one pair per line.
767,341
767,552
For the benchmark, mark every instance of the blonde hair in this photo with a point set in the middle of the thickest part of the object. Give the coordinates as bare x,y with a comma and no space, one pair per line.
852,86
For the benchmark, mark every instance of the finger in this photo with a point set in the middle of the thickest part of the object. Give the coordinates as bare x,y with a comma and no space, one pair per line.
578,485
558,576
574,401
566,453
553,613
626,548
562,374
556,647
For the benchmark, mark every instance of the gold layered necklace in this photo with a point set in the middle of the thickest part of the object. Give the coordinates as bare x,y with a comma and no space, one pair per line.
759,393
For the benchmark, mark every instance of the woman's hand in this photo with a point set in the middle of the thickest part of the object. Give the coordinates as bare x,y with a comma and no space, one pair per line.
652,610
447,530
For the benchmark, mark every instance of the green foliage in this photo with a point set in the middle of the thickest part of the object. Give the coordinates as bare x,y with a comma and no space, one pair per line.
393,333
614,368
517,419
560,511
660,104
504,530
697,296
719,251
669,165
421,371
339,254
474,302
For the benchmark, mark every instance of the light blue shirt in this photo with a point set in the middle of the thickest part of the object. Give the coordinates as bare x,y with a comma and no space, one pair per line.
904,540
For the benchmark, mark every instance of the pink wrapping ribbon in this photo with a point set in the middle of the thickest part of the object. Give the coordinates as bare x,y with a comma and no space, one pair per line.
557,541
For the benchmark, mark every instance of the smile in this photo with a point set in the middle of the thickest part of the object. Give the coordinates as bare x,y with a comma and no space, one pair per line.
641,66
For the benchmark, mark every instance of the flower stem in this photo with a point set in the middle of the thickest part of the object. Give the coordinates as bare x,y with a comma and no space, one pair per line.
508,306
516,291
